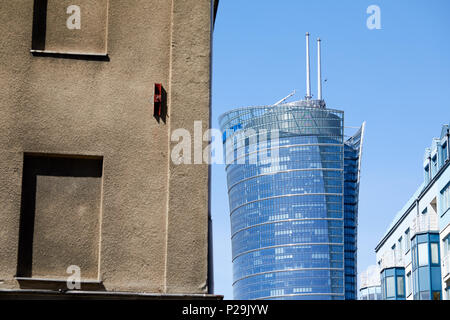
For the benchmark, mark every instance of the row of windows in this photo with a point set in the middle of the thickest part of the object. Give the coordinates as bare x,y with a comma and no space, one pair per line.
264,125
316,231
252,140
260,152
290,257
241,172
312,176
288,183
425,250
296,156
393,284
426,271
436,161
284,155
298,109
390,287
319,281
294,207
371,293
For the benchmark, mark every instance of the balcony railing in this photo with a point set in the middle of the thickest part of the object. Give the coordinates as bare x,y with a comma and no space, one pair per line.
425,223
420,224
388,261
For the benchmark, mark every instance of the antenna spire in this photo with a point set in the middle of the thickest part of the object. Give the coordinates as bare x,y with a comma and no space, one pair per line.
308,77
319,71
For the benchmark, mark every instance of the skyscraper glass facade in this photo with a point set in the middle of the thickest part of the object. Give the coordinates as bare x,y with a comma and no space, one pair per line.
286,197
352,161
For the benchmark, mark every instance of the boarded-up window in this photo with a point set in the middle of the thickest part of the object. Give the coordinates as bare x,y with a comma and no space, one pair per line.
60,216
72,27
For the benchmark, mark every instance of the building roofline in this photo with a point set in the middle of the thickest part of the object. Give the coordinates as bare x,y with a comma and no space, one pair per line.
407,211
295,104
371,286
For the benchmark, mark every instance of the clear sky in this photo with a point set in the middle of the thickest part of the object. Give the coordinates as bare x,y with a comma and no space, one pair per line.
397,79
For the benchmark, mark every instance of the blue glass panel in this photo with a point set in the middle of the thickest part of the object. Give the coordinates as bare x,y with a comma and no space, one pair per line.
421,238
424,279
434,237
436,279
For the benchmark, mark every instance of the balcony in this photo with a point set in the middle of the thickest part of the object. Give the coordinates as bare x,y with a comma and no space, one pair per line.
390,261
425,223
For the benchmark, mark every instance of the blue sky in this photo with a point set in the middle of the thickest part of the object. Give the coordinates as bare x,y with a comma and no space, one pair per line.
397,79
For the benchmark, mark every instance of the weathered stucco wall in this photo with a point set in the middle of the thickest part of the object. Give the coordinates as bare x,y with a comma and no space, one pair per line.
153,215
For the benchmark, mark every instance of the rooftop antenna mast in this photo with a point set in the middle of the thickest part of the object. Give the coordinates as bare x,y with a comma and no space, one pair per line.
308,77
319,71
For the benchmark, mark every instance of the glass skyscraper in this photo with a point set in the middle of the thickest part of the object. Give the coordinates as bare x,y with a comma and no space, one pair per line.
352,165
293,201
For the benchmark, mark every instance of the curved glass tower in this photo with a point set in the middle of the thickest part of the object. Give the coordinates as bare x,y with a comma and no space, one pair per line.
286,183
352,166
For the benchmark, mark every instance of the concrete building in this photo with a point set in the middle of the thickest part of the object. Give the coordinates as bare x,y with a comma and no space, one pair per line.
370,285
90,95
413,253
293,199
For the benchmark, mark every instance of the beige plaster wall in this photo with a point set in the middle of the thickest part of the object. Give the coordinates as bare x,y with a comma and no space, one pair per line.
153,219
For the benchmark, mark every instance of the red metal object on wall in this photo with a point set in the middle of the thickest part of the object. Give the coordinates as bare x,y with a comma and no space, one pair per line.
157,111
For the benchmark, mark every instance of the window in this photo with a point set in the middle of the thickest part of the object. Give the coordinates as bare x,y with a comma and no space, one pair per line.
434,253
408,284
445,197
444,151
394,255
427,173
400,248
407,241
446,246
423,254
71,182
400,286
64,27
378,293
390,287
425,295
278,292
